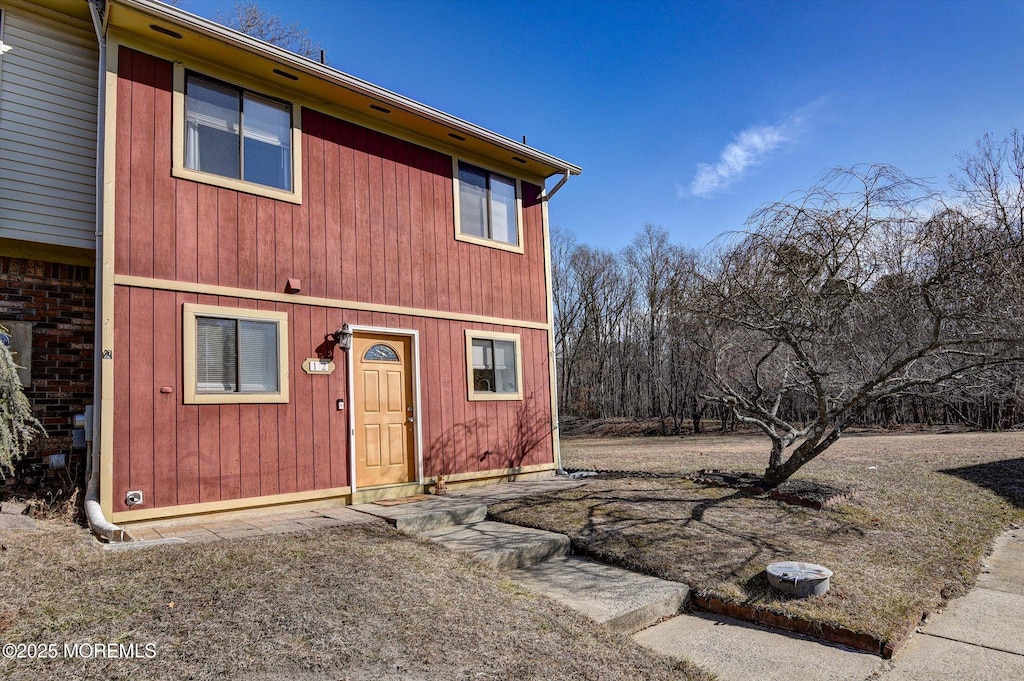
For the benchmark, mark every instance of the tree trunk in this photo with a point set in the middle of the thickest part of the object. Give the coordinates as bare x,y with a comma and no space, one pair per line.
815,444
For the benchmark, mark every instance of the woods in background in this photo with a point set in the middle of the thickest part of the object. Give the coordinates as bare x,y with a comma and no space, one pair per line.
867,300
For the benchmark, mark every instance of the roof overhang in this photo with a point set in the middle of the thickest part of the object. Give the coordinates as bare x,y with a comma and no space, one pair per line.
185,33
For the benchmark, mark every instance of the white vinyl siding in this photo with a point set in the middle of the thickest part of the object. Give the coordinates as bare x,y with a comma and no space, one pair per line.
47,133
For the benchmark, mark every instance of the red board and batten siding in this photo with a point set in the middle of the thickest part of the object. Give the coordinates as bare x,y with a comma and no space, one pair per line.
183,454
375,225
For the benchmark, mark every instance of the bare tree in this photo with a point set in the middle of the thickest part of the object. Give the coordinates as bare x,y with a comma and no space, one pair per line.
651,264
250,18
864,288
567,307
606,298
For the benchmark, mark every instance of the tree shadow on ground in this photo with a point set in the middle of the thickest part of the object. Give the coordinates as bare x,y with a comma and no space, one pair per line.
1005,478
674,529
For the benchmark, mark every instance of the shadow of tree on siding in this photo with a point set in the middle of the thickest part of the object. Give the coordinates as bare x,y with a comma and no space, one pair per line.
467,445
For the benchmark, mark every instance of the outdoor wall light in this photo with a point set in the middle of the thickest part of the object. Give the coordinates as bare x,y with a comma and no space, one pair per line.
343,337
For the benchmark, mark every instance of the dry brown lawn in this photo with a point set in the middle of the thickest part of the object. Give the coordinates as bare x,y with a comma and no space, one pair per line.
342,603
925,511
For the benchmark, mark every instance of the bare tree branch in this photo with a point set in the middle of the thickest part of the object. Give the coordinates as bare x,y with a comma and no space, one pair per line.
249,17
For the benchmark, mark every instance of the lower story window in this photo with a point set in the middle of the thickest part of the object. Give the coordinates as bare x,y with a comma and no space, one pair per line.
234,355
494,366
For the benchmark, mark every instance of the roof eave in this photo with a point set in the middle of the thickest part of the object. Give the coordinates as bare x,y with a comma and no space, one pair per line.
217,31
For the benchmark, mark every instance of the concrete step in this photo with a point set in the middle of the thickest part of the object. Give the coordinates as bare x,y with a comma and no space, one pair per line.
624,601
432,514
502,546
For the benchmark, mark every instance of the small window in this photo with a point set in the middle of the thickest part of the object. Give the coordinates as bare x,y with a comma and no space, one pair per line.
487,207
235,138
494,366
381,353
234,355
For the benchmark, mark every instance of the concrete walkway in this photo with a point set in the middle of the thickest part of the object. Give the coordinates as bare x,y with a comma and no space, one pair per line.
535,559
977,637
243,524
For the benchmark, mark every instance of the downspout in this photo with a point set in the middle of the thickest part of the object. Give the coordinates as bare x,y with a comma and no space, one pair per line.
99,525
544,197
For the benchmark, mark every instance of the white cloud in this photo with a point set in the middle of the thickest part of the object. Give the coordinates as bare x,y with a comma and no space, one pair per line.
751,148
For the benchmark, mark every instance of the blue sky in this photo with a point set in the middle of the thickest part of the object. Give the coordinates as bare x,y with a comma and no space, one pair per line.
690,115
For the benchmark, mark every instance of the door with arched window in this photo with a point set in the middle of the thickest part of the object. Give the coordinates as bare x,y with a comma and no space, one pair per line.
384,415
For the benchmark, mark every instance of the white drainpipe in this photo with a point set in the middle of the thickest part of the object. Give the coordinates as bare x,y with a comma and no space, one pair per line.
100,526
545,196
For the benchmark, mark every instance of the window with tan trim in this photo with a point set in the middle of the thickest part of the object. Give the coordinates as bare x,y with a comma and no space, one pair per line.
233,355
494,365
488,207
232,137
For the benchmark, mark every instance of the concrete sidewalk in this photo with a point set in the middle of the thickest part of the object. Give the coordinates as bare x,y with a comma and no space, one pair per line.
978,637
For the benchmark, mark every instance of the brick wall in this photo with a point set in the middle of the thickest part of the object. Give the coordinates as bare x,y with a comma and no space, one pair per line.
58,300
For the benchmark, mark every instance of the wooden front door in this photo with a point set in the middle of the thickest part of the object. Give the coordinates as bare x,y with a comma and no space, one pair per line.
384,418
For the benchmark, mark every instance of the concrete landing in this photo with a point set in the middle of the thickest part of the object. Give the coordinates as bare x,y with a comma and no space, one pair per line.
624,601
426,515
737,651
238,525
505,547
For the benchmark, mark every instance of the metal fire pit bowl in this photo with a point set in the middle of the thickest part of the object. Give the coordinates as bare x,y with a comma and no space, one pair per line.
799,579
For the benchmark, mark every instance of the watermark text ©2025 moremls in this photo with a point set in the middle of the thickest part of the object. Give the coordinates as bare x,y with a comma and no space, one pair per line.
86,650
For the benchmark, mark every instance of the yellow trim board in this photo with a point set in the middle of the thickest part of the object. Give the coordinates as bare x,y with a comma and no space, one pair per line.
251,294
371,494
105,280
510,477
493,473
550,309
230,505
340,494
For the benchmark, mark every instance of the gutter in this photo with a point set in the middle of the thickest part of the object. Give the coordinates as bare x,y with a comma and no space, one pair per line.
99,525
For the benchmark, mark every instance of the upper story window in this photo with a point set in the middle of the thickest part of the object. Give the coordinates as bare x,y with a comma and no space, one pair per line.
487,207
236,138
237,134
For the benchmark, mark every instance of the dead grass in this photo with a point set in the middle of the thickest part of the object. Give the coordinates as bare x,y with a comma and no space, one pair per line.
926,509
344,603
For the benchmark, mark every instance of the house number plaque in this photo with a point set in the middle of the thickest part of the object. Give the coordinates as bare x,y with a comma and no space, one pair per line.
317,366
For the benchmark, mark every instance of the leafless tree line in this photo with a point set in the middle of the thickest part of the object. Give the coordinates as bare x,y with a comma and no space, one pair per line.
621,333
868,299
